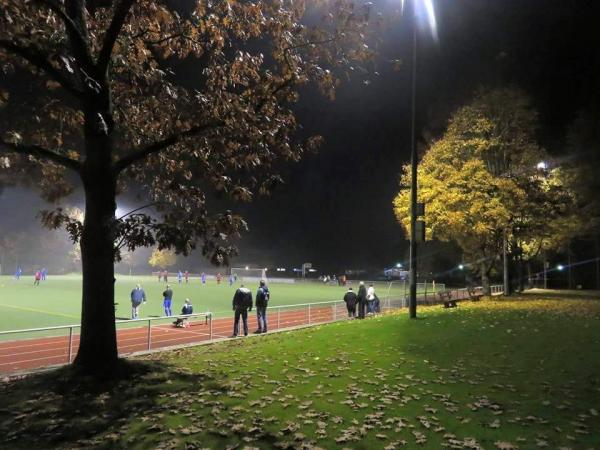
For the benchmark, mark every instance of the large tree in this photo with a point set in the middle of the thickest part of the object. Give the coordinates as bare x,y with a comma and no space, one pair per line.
179,98
482,180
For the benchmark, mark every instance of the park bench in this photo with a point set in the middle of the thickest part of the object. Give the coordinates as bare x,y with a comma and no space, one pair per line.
473,295
446,297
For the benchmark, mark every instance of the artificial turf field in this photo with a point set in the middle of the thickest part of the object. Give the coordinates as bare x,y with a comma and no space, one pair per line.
57,301
497,374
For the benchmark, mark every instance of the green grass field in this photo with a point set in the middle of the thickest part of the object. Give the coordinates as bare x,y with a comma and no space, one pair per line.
499,374
57,301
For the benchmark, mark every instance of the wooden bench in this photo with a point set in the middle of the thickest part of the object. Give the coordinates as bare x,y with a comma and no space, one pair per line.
446,297
473,295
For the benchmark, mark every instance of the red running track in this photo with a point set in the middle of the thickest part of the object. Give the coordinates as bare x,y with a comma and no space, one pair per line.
30,354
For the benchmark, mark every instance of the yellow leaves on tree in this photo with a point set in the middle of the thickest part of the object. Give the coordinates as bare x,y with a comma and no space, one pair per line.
480,178
162,258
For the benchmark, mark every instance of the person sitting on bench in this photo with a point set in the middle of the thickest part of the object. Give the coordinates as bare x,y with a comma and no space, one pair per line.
183,322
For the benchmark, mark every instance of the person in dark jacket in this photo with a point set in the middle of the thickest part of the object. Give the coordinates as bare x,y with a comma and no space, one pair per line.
362,300
167,298
262,300
187,309
351,299
138,296
242,303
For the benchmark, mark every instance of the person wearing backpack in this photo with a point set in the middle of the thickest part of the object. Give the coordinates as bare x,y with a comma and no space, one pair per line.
262,301
242,303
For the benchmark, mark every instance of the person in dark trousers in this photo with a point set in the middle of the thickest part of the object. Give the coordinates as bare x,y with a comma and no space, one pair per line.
362,300
351,299
37,277
262,300
242,303
167,298
138,296
183,322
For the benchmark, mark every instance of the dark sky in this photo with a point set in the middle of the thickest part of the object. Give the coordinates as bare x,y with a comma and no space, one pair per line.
335,208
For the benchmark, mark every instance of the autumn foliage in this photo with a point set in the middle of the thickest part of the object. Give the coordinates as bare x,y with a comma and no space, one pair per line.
179,99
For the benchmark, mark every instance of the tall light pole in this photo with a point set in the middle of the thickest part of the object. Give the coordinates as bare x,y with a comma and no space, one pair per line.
412,304
424,7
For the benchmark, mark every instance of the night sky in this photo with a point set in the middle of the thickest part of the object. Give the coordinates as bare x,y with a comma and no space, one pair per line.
335,208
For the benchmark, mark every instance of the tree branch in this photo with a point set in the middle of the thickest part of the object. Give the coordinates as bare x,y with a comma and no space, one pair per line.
42,153
36,58
113,32
75,34
139,154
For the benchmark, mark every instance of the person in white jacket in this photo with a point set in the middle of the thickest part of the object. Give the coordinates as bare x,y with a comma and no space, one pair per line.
371,299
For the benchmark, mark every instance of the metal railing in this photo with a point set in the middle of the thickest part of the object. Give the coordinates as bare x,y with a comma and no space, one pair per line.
36,348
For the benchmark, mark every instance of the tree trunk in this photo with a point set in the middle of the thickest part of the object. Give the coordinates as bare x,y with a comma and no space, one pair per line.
485,279
597,247
98,346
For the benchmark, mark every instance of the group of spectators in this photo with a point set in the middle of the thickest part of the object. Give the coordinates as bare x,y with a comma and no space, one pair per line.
366,300
242,304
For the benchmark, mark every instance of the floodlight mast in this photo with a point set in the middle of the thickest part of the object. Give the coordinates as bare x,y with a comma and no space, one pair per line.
412,304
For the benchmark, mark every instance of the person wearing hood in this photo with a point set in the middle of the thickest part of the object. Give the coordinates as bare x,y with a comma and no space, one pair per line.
362,300
242,303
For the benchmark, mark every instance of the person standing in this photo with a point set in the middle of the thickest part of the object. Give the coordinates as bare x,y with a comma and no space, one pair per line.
167,298
18,273
203,278
37,277
262,301
186,274
138,296
165,276
362,300
44,271
180,277
371,299
351,299
242,303
231,280
219,276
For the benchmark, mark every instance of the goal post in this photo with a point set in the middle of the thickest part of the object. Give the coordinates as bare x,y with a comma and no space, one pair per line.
249,274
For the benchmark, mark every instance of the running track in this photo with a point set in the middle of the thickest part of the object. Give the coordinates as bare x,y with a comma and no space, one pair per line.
30,354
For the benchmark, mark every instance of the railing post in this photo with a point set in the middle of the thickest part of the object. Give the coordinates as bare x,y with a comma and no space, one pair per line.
210,337
149,334
309,313
70,344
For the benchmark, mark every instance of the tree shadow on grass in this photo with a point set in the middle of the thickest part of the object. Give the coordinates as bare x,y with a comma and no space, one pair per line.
63,409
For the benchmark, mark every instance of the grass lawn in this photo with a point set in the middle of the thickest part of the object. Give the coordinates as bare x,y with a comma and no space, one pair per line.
57,301
523,373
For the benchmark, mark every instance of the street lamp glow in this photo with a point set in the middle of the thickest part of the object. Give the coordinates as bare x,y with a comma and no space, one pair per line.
542,165
246,267
461,267
560,267
399,265
424,8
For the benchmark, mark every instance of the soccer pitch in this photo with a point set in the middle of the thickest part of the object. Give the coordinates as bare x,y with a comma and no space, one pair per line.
57,300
